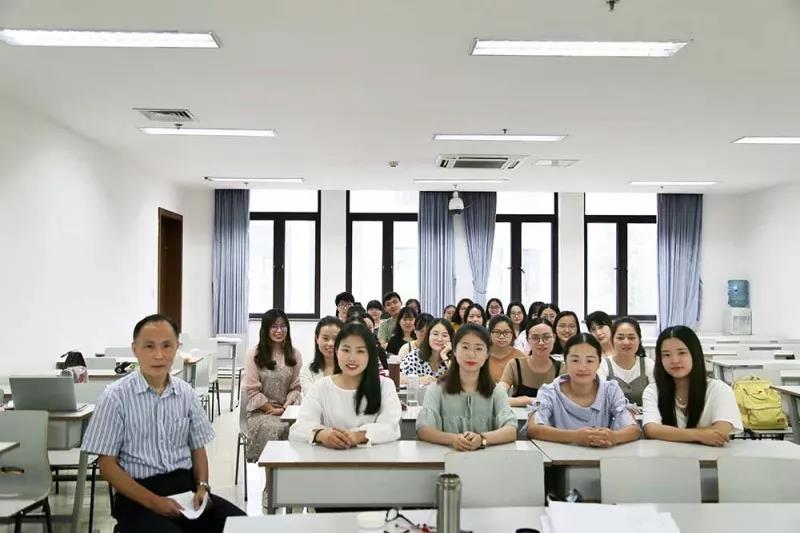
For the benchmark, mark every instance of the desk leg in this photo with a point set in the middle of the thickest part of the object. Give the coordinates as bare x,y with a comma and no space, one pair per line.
270,490
793,418
717,371
80,482
233,373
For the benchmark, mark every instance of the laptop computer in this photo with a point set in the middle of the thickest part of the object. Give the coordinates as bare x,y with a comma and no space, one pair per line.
44,393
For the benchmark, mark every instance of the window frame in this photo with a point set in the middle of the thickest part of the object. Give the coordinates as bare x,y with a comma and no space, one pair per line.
387,255
279,257
621,222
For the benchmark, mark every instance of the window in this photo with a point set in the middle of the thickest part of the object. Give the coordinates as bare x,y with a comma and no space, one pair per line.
284,252
382,244
524,257
621,254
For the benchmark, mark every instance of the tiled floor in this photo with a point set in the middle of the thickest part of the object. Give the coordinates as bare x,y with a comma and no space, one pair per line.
222,461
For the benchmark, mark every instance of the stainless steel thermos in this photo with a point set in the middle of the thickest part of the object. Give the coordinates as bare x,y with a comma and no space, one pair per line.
448,504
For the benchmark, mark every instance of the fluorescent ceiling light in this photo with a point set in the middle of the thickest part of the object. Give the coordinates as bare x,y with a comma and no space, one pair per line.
457,181
576,48
673,183
554,162
220,132
109,39
768,140
496,137
255,180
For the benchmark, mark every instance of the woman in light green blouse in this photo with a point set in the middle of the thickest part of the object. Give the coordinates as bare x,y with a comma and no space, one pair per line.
466,410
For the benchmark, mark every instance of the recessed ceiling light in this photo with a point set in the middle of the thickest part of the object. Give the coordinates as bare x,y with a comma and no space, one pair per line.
496,137
768,140
576,48
554,162
457,181
221,132
109,39
673,183
255,180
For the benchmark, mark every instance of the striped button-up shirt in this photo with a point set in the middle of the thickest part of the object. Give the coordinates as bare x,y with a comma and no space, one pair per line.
147,433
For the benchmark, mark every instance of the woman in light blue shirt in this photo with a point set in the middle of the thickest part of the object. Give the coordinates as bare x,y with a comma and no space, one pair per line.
466,410
580,407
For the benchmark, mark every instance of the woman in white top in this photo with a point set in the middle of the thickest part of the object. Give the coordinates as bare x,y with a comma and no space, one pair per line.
355,406
683,405
324,338
599,324
629,366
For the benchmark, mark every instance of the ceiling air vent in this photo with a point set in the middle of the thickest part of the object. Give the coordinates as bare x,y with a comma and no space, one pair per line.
480,162
167,115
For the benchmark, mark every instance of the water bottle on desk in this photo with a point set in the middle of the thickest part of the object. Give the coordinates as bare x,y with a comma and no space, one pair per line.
448,504
412,386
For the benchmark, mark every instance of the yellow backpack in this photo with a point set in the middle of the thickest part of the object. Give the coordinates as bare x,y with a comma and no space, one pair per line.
759,404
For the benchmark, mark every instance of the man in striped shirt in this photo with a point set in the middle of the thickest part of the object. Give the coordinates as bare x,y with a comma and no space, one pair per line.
150,433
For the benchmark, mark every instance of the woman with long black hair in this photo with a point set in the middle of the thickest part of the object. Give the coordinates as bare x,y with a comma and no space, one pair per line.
355,406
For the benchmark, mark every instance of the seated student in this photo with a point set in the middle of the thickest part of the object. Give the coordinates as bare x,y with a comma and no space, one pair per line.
449,312
429,361
365,320
549,312
581,407
150,433
421,325
466,410
414,304
516,312
344,301
502,350
355,406
629,366
566,326
271,382
682,405
375,311
403,331
392,305
461,313
323,363
475,314
494,307
524,377
599,324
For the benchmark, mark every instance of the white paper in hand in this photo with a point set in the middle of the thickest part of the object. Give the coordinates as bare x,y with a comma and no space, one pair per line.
186,499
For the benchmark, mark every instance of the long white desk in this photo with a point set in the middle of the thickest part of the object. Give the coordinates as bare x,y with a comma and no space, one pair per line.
690,518
721,366
578,467
408,421
397,473
793,394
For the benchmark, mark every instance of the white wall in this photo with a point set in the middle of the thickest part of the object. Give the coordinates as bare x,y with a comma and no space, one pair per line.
197,208
79,243
570,252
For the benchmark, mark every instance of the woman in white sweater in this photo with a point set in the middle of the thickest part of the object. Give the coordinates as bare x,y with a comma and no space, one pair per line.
355,406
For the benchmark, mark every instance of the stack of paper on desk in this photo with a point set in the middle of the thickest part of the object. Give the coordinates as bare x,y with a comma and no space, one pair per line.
573,517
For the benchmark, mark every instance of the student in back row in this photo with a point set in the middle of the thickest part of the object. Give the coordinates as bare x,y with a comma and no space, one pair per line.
150,432
524,377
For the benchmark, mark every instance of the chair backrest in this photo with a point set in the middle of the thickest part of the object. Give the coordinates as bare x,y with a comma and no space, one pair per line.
241,348
201,381
96,363
649,480
758,479
209,349
29,428
242,410
521,473
89,392
119,351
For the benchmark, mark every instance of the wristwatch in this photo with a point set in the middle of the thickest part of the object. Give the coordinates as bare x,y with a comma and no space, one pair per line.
484,442
205,485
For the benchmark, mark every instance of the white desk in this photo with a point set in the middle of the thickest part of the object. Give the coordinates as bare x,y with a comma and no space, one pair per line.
233,344
578,467
8,446
408,421
791,376
722,365
690,518
793,394
397,473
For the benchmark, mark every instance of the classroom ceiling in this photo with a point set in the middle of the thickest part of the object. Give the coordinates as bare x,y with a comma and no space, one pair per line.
350,85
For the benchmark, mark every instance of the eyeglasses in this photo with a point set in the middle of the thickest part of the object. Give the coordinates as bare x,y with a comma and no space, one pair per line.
502,333
279,327
540,338
344,305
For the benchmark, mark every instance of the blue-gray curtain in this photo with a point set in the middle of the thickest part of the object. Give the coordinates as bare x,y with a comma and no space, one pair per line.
229,277
479,222
436,252
679,223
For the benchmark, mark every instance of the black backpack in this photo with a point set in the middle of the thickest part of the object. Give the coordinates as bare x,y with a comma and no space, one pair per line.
71,358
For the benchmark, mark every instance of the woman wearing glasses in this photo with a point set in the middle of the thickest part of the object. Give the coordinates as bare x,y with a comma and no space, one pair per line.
524,377
501,351
567,326
271,382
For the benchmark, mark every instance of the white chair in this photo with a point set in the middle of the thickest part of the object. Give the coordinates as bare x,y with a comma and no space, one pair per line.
242,442
758,479
101,363
25,484
521,473
209,349
224,364
119,352
649,479
201,385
